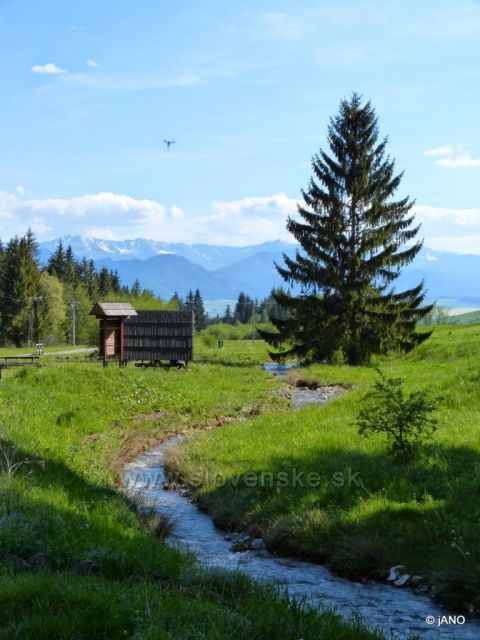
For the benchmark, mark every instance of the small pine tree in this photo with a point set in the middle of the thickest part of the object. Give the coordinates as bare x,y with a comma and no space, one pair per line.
406,419
104,282
136,290
354,240
199,311
176,302
56,262
244,308
228,317
69,275
115,281
189,304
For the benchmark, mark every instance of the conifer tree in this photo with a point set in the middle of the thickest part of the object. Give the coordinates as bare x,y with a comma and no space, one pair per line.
69,275
115,281
354,239
136,290
176,302
21,285
244,308
228,317
56,262
199,311
104,282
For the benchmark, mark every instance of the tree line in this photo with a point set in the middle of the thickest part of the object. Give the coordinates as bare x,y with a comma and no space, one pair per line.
37,302
246,309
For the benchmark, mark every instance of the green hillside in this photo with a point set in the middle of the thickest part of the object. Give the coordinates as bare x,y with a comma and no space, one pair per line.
472,317
425,514
75,424
75,560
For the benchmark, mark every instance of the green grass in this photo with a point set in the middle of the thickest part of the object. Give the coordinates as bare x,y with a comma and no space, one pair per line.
368,511
81,422
470,317
233,352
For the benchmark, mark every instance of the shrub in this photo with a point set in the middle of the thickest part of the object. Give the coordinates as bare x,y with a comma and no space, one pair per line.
209,340
406,419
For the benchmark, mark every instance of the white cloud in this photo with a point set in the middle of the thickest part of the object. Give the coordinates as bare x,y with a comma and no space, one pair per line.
279,203
118,216
446,150
48,69
453,217
458,162
91,63
448,156
469,244
176,213
248,220
444,229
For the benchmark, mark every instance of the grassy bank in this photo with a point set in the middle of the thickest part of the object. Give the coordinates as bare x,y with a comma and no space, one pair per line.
367,512
75,560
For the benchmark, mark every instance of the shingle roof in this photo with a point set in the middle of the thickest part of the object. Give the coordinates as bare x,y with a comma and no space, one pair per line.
113,310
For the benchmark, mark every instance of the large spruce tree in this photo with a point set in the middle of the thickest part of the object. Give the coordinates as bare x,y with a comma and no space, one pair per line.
354,239
21,284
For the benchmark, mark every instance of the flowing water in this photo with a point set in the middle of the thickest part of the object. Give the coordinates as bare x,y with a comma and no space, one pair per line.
398,611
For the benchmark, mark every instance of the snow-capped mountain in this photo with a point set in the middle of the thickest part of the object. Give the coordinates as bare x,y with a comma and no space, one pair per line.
222,272
207,256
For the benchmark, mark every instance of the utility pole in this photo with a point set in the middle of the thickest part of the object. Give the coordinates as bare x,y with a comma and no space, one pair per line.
36,300
30,327
73,306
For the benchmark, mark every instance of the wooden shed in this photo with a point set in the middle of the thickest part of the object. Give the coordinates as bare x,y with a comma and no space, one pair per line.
159,335
147,336
112,316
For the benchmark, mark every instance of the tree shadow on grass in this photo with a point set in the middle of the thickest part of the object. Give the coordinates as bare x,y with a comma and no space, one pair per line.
55,511
362,513
60,513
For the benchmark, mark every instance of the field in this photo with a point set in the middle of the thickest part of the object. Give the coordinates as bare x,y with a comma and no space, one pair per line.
471,317
369,512
75,424
75,559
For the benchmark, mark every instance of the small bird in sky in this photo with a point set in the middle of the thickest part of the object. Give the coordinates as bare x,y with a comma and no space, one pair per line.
169,143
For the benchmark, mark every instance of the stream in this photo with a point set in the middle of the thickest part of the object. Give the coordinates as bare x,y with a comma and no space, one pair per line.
399,612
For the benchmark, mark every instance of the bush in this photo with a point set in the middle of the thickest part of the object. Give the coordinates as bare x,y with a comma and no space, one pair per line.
405,419
209,340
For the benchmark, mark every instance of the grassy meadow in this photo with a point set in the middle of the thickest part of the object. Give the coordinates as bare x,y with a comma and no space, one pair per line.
366,512
75,559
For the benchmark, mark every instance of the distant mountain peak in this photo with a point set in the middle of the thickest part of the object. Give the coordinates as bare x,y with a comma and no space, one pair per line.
221,272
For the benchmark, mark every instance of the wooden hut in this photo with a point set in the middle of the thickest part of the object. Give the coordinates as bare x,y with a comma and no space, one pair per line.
151,336
159,335
112,316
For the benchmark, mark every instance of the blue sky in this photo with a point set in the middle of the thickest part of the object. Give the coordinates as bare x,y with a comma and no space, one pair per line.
89,90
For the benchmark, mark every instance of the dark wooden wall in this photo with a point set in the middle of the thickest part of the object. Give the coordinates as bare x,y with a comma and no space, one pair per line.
159,335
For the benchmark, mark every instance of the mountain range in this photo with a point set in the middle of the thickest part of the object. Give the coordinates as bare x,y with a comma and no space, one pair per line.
221,272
